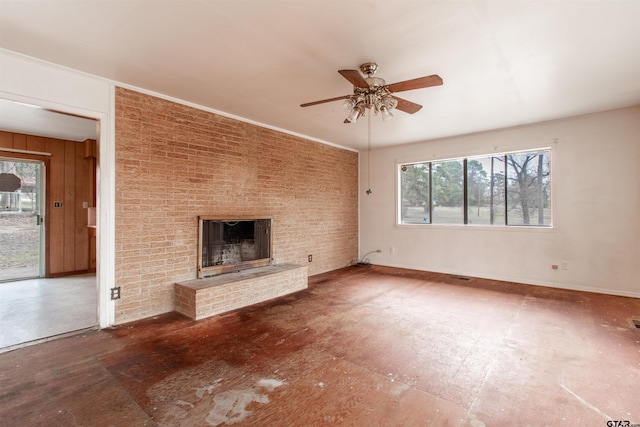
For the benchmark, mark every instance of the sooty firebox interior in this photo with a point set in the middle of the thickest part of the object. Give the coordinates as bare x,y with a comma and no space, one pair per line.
227,245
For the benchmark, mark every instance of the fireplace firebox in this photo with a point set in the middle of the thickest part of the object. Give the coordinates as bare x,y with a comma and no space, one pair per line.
228,244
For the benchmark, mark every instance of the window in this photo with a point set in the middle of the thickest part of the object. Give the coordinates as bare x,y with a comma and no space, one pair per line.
447,182
485,190
416,194
506,189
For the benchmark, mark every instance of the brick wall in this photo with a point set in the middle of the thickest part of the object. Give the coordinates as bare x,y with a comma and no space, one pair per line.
175,162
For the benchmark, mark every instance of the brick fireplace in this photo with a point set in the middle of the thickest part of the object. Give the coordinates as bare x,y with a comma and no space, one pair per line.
175,162
235,268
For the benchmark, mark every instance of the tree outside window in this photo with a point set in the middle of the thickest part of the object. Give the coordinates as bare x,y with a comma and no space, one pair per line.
508,189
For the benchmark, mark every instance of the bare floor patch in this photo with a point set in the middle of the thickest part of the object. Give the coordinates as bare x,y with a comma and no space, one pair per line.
231,406
223,408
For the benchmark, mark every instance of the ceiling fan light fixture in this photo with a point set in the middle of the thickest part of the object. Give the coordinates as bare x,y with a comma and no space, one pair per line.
386,114
389,102
378,99
356,112
349,103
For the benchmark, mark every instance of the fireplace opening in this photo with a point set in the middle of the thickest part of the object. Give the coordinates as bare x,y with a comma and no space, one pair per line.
227,245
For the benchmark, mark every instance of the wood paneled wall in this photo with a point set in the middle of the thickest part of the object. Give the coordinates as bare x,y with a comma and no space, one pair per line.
70,180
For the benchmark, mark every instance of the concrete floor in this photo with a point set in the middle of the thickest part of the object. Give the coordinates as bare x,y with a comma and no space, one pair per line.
363,346
34,309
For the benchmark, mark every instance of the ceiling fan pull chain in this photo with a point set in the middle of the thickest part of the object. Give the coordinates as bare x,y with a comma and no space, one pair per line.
369,191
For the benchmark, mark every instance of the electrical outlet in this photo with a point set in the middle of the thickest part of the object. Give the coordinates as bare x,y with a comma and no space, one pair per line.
392,250
310,258
564,265
554,266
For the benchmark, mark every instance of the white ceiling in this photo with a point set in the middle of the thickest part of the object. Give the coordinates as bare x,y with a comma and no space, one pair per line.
28,119
503,63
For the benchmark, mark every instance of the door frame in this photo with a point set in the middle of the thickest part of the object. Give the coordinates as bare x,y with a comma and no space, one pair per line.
105,197
18,155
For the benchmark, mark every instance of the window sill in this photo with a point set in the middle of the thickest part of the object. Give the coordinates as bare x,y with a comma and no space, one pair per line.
482,227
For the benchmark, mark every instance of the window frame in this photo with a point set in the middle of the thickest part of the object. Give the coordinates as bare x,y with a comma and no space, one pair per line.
502,226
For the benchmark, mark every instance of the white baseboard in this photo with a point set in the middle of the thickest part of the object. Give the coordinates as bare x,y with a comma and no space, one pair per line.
524,281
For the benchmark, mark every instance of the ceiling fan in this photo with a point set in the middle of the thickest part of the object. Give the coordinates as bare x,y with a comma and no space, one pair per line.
373,93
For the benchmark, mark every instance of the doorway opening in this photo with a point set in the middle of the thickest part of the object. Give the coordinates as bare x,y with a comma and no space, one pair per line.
48,172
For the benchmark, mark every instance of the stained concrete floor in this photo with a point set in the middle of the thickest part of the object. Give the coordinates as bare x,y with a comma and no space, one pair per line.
34,309
362,346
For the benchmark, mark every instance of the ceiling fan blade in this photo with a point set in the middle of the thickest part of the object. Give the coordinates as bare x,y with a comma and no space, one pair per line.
355,78
407,106
419,83
338,98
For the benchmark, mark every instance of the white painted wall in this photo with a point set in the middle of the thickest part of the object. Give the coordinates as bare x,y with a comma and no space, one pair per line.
39,83
596,209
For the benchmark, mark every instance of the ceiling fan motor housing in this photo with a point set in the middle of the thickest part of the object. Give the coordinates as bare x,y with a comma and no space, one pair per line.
375,82
369,68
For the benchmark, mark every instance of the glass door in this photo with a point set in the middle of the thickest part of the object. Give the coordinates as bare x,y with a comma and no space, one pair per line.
21,219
